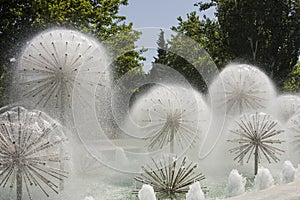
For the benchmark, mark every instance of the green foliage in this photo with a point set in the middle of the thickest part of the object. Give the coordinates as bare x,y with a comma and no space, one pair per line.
185,56
162,48
207,33
191,60
262,32
125,58
292,84
158,69
3,81
21,20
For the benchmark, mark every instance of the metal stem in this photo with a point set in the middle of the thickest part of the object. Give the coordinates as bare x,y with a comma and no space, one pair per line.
19,182
256,160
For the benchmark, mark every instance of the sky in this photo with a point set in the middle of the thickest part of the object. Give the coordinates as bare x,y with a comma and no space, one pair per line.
156,14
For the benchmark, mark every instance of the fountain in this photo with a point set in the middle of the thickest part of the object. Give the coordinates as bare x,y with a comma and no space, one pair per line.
255,135
31,154
297,173
195,192
170,177
238,89
62,70
263,179
172,119
236,184
288,172
293,138
121,156
48,69
89,198
285,106
147,193
47,77
241,88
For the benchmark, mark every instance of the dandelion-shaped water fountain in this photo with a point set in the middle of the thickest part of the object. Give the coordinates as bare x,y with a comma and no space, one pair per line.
170,178
241,88
256,134
47,75
172,119
30,153
171,116
49,65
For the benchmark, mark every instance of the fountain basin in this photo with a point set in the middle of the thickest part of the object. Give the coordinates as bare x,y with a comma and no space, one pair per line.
289,191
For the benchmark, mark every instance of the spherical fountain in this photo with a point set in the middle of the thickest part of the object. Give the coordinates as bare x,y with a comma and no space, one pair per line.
238,89
47,77
241,88
48,68
64,73
32,155
171,119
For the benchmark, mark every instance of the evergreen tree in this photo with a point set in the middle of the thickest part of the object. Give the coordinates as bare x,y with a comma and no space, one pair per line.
160,62
161,49
169,65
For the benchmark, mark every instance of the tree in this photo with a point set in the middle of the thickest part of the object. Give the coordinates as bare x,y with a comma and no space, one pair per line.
182,55
190,60
292,84
158,66
162,48
261,32
207,33
20,20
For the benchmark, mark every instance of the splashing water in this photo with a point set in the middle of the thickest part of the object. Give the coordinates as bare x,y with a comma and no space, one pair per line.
146,193
256,134
236,184
167,183
49,65
297,173
293,138
121,157
285,106
288,172
170,116
89,198
195,192
48,78
263,179
241,88
31,153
